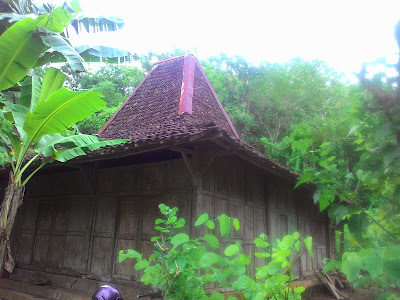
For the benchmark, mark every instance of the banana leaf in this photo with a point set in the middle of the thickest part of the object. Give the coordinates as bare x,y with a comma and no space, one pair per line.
53,80
20,49
99,23
30,91
101,51
58,43
80,144
62,109
58,19
19,113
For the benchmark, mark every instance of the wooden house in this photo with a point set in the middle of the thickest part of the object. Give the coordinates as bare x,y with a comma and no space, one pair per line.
183,151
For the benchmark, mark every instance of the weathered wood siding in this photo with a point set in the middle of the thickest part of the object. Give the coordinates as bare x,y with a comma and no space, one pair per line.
72,225
235,188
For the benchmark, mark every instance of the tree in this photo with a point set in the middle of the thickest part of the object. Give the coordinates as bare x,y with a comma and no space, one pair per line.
42,114
357,176
115,82
267,101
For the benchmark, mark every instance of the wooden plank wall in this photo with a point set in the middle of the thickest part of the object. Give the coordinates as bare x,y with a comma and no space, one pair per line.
65,228
235,188
71,226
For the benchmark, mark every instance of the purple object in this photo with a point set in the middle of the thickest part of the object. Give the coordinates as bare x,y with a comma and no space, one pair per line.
107,292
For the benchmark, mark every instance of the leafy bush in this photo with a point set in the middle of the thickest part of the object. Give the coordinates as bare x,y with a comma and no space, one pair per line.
184,268
277,273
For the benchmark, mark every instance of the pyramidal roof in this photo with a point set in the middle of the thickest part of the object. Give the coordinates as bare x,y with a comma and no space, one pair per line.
174,99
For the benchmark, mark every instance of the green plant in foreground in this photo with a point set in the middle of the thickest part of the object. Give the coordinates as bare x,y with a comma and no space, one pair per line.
273,279
184,268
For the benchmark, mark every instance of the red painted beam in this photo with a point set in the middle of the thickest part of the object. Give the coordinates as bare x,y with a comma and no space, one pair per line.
185,104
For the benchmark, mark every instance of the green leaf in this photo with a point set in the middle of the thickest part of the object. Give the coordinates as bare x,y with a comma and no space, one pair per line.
217,296
297,245
171,220
179,238
262,254
210,224
30,91
75,5
305,178
351,265
208,259
260,243
201,220
273,267
142,265
308,243
357,223
133,254
224,225
373,264
340,212
326,198
231,250
317,195
299,289
243,283
259,296
19,51
330,266
62,110
83,142
284,252
154,238
244,259
360,174
159,221
180,223
53,80
121,256
212,241
354,128
236,223
163,208
57,20
287,241
391,261
389,157
59,44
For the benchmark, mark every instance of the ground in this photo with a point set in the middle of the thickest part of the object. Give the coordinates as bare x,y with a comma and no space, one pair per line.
320,292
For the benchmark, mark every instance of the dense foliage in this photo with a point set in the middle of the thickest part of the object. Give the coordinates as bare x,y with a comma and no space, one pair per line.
184,266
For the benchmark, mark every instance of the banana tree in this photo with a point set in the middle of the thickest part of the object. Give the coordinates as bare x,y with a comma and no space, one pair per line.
30,42
35,125
30,132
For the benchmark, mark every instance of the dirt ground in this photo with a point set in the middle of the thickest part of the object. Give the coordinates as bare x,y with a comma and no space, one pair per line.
320,292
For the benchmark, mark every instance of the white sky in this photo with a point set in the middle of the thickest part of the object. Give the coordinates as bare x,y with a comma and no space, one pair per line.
343,33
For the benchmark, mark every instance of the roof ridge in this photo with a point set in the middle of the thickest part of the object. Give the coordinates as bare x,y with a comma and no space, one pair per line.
185,103
217,100
169,59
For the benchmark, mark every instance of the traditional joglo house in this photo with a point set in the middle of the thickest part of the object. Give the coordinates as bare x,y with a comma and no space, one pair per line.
183,151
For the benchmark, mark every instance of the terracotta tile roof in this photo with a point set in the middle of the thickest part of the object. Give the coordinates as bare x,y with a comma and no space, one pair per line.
152,110
171,107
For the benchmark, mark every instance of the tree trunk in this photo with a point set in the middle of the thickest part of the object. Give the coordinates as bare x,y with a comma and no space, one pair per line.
13,197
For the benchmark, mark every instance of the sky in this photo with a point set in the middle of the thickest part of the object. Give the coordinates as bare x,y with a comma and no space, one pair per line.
343,33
